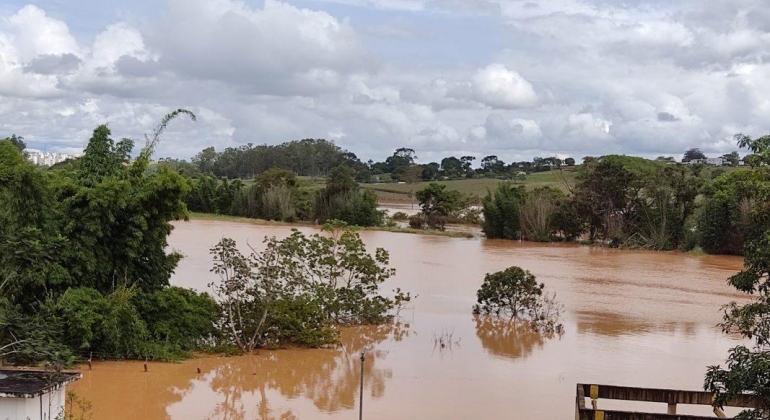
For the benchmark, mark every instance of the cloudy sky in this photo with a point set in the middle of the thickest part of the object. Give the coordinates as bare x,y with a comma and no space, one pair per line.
515,78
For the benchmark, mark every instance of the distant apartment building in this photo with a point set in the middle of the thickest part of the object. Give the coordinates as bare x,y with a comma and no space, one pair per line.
41,158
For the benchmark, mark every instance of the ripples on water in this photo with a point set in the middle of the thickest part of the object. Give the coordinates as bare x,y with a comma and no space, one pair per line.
633,318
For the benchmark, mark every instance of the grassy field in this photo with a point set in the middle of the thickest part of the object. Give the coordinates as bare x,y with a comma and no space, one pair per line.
394,192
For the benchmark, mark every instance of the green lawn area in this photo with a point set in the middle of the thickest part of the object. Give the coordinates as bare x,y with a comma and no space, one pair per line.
395,192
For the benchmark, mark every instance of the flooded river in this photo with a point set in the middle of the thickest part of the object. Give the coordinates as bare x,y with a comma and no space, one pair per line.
633,318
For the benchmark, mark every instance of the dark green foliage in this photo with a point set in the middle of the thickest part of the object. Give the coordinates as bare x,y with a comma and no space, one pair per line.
724,219
602,195
399,215
748,364
538,214
83,261
516,294
399,162
451,167
81,311
297,290
103,158
746,372
438,205
181,318
127,324
435,198
207,195
298,321
619,200
343,200
511,292
29,339
309,157
501,212
693,154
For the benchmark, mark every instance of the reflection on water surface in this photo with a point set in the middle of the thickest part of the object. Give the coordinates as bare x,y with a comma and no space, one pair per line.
639,318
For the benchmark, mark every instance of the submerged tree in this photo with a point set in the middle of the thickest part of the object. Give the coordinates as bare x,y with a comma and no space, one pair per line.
438,203
748,366
501,209
342,199
296,290
516,294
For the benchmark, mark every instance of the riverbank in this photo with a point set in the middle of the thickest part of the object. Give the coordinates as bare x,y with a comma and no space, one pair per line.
394,229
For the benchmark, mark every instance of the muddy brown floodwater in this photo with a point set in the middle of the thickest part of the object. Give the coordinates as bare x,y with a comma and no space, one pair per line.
634,318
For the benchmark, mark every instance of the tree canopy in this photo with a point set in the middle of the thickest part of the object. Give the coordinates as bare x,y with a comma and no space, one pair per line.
85,250
748,364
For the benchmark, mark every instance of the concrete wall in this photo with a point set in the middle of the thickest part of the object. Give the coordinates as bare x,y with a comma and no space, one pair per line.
30,408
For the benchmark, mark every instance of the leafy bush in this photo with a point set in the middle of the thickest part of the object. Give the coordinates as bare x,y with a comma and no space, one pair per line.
516,294
342,199
179,317
297,289
501,210
399,215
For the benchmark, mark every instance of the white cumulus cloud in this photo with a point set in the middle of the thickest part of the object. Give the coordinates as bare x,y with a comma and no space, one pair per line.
500,87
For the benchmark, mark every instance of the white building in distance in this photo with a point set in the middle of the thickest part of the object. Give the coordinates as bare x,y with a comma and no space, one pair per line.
41,158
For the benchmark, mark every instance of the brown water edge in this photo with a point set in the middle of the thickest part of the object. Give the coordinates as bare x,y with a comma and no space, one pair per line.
633,317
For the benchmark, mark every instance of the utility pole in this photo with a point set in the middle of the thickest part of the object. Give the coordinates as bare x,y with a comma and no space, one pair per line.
361,403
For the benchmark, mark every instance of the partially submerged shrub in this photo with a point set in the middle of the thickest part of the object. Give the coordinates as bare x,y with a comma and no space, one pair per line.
516,294
297,290
400,215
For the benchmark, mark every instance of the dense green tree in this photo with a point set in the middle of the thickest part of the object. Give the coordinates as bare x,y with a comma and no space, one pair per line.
431,171
117,216
18,142
733,158
516,294
602,196
81,247
538,213
492,164
342,199
467,162
180,318
452,167
501,212
724,218
30,241
307,157
438,203
511,292
437,198
297,290
692,154
103,158
569,161
748,365
400,161
205,160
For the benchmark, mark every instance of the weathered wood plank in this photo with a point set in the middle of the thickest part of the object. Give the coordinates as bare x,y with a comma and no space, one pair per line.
668,396
589,414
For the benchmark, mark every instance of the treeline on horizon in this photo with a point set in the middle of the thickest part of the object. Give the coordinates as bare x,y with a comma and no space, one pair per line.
317,157
620,201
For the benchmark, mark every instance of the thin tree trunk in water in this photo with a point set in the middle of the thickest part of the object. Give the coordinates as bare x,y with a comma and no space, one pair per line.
253,342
